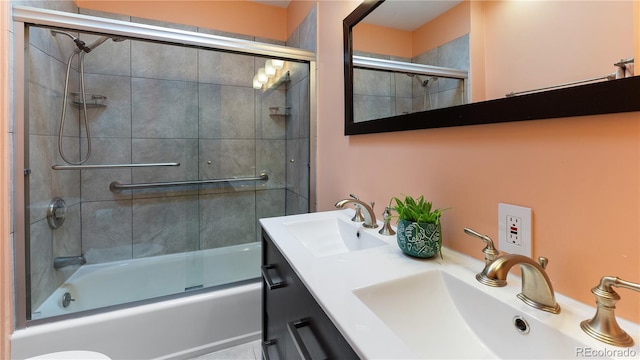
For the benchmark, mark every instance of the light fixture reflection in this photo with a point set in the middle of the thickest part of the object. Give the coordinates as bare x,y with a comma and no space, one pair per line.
256,84
262,76
269,69
278,64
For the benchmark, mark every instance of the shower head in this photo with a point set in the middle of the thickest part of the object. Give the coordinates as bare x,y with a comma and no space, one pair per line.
102,39
423,83
82,46
79,43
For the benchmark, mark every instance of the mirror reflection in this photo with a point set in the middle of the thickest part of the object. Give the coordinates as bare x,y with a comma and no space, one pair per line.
508,48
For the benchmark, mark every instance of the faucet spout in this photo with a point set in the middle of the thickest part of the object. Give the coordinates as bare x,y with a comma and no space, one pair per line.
64,261
536,285
369,216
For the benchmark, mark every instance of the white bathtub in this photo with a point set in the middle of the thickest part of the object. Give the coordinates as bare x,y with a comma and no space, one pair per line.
171,329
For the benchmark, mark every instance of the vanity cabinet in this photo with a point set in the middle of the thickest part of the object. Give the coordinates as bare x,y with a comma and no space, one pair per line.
294,326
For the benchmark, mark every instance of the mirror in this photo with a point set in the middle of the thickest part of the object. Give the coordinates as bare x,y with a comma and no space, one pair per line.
565,81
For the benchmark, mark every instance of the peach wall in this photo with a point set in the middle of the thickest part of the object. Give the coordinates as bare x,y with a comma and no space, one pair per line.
446,27
382,40
5,205
636,34
579,175
476,51
510,24
242,17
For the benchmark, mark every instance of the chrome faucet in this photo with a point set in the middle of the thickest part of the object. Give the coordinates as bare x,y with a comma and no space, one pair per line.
536,286
369,216
357,217
64,261
603,326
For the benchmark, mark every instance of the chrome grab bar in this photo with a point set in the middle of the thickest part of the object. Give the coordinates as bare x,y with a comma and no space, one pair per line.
117,186
110,166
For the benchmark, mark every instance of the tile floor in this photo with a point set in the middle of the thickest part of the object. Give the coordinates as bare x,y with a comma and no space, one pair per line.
248,351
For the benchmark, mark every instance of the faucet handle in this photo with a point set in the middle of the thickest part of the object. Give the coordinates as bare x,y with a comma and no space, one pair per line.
603,326
490,252
386,228
543,261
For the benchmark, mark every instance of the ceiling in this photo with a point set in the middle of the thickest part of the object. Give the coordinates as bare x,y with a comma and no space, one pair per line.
408,15
278,3
405,15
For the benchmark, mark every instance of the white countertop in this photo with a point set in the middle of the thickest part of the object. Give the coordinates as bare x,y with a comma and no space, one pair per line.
332,279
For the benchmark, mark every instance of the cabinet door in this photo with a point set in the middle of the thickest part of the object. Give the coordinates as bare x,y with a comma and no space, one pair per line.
292,317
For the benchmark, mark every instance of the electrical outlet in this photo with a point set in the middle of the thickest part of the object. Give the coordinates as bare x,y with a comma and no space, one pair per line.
514,229
514,225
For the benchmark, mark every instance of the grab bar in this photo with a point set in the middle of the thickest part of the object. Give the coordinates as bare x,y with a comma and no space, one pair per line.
110,166
117,186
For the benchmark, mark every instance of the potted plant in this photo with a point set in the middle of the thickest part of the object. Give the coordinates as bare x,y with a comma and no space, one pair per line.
419,231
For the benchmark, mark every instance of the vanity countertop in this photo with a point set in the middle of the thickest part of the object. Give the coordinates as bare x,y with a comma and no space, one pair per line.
332,280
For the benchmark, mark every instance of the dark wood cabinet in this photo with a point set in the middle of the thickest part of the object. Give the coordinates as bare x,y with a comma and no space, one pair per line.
294,326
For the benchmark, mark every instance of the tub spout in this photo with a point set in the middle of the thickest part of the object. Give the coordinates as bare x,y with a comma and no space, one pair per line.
65,261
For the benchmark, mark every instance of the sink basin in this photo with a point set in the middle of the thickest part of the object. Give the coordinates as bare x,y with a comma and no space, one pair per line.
332,236
437,315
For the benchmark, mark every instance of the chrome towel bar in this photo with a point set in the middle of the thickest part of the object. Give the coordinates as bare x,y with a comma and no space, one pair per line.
117,186
110,166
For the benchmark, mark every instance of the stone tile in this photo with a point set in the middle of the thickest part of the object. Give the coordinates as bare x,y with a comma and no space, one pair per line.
46,183
183,151
271,157
114,120
227,112
95,182
298,171
218,229
108,58
43,281
169,223
162,61
270,126
229,158
106,231
164,109
216,67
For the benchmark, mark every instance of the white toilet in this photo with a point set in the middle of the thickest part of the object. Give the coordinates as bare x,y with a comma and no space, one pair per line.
72,355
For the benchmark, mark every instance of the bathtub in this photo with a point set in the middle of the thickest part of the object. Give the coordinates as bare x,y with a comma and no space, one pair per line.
175,328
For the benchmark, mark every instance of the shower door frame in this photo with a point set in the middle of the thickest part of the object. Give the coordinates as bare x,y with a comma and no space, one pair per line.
24,16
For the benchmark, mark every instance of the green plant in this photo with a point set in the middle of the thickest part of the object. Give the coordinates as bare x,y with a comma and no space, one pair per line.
419,210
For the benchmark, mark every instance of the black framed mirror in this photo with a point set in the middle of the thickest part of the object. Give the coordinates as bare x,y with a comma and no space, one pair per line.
595,98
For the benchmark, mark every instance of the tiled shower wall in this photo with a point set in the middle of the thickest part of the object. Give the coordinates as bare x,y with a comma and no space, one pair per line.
164,104
298,124
46,74
378,94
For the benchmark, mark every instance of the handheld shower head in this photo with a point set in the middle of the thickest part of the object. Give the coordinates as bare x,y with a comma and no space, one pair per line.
81,45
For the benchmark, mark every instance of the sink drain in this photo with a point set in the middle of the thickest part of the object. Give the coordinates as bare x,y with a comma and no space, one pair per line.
521,325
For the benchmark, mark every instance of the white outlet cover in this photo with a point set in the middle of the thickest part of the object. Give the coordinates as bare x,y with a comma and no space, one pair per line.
524,213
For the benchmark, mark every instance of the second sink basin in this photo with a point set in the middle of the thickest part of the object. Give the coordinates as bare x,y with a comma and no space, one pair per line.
332,236
438,315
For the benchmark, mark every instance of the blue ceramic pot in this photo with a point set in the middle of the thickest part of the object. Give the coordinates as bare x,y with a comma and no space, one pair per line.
418,239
